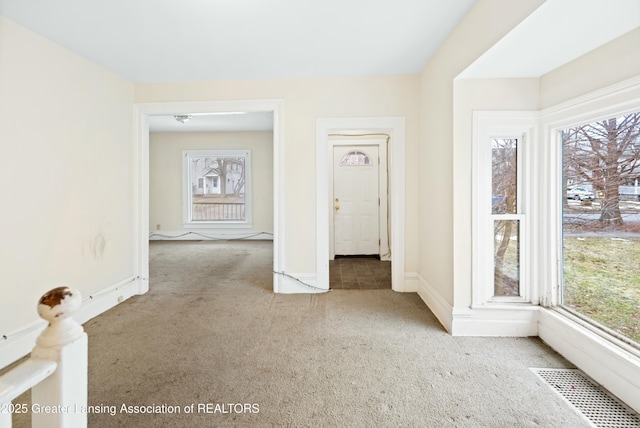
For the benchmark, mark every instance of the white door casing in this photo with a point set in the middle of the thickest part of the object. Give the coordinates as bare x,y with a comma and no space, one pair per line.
141,176
393,126
356,200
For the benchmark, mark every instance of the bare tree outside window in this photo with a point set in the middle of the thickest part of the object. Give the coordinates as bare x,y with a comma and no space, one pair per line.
504,186
604,155
601,222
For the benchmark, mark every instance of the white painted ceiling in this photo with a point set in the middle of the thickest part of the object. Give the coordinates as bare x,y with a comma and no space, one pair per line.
219,122
190,40
187,40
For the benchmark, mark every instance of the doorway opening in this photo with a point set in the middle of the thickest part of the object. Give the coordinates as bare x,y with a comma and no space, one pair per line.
143,112
359,255
386,135
359,251
358,191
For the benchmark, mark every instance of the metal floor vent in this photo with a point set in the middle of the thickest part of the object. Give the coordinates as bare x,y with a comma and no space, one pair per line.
590,399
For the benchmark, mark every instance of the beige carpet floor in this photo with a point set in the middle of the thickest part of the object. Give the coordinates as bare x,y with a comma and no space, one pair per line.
212,334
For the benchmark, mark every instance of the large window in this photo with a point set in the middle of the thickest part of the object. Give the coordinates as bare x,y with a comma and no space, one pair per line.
217,188
601,222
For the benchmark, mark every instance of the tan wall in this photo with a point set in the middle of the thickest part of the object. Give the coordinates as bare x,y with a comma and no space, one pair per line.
166,175
444,207
65,174
306,100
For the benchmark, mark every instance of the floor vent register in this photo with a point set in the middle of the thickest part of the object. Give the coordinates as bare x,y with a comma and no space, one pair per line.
600,408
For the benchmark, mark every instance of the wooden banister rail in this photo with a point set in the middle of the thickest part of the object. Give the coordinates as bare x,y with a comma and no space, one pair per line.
56,371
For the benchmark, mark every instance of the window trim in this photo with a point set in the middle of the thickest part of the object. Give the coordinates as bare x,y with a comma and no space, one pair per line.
488,125
187,223
602,356
519,216
554,289
584,110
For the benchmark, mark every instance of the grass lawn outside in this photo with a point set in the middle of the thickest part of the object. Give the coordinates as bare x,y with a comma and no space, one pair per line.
602,280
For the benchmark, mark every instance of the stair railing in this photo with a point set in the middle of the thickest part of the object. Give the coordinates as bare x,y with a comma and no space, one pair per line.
56,372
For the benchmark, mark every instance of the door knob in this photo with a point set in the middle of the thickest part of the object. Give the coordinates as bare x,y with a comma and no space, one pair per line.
337,207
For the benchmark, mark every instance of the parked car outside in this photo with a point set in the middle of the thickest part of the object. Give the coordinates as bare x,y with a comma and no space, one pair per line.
579,194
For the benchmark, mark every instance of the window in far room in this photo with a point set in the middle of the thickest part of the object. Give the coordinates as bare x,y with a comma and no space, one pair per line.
217,188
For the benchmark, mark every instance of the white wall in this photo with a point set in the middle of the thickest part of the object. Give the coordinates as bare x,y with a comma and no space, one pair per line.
444,198
165,175
65,177
476,95
611,63
306,100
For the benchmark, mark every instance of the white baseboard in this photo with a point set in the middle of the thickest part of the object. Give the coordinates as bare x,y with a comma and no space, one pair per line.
292,283
212,234
617,369
495,320
438,304
103,300
21,343
519,320
411,283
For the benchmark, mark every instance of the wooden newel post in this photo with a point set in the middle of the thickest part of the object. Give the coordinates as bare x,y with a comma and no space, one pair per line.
60,400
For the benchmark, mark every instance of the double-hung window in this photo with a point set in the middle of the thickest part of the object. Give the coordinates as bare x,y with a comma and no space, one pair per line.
507,217
501,149
582,183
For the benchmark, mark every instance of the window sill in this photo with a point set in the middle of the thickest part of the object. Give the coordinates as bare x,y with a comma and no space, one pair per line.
609,362
599,329
505,304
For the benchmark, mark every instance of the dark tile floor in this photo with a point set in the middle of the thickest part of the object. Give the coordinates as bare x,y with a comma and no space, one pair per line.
353,273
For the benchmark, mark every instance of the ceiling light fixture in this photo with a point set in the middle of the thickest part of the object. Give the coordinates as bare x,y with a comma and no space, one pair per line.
183,118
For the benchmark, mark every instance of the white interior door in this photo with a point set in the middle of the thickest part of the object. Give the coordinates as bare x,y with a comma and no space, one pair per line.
356,200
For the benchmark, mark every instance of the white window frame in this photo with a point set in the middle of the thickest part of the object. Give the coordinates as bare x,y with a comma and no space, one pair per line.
490,125
187,155
599,105
612,362
608,360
